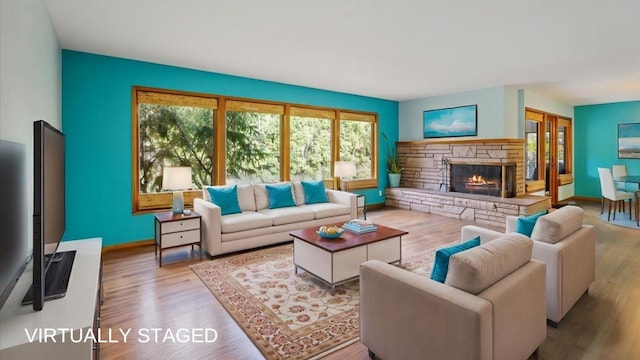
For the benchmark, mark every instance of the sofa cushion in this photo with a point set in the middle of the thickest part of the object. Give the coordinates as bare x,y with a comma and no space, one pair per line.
298,193
525,224
325,210
314,192
246,200
244,221
280,196
441,264
476,269
558,224
288,215
225,197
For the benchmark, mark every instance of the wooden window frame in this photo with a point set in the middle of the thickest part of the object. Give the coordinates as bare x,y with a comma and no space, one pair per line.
541,118
372,182
146,203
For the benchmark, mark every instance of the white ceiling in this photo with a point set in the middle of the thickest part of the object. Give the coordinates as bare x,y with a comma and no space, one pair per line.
575,51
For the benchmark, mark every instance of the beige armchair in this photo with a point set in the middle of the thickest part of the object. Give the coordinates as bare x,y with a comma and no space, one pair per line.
566,246
491,306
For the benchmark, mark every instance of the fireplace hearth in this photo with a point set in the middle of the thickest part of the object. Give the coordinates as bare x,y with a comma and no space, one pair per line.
492,179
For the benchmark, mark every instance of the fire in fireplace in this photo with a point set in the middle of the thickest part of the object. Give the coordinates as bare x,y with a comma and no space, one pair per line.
493,179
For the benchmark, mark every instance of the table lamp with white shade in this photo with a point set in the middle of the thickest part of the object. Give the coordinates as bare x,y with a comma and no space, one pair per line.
176,178
344,169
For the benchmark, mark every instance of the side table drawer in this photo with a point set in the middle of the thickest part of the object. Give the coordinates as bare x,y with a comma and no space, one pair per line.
385,250
180,238
182,225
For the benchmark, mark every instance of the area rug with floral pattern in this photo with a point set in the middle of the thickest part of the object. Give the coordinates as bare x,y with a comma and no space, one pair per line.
289,315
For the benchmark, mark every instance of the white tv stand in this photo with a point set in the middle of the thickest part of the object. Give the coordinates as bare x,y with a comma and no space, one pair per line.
78,310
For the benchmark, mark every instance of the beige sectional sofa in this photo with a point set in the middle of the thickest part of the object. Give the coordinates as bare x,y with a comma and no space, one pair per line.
491,306
566,246
258,225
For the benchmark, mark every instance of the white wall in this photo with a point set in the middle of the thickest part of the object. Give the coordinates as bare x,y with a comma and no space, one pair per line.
496,117
543,103
30,76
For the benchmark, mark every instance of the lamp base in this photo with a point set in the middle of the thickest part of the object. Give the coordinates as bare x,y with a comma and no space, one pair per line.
177,206
344,185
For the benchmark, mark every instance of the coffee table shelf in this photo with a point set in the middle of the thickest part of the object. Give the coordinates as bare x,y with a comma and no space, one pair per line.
337,261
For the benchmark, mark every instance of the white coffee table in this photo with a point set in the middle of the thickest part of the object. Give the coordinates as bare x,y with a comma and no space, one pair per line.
337,261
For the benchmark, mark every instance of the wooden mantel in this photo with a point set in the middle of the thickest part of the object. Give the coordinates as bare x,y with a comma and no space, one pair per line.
460,141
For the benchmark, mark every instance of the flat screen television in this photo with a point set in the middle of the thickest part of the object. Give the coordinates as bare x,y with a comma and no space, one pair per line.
48,214
14,214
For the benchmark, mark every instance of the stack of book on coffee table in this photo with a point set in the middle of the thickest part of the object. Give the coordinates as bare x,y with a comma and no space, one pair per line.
359,226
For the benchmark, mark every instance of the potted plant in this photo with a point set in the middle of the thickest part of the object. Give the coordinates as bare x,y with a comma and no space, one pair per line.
393,164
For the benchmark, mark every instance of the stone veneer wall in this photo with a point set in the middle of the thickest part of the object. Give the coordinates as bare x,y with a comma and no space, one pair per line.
423,173
422,160
480,209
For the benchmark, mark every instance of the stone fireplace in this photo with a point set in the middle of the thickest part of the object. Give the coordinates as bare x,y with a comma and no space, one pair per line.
492,179
428,183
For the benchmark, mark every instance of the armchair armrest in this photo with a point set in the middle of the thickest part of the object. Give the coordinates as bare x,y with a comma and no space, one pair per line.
512,222
405,316
571,268
211,225
471,231
344,198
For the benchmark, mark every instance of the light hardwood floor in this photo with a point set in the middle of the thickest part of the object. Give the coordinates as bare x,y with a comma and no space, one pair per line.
604,324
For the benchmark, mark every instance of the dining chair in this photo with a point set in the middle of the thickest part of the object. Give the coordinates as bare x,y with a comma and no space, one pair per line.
619,170
637,200
609,192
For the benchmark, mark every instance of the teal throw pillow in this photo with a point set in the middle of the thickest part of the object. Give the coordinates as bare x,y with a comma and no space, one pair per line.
525,224
226,198
314,192
441,264
280,196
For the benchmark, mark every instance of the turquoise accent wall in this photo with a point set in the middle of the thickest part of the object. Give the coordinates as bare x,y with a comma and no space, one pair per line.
596,143
96,120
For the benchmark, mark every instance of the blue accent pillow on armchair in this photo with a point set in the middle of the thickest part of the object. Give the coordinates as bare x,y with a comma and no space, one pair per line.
226,198
525,224
441,264
280,196
314,192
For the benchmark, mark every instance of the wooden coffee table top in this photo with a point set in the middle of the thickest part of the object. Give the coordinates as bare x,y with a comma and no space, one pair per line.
348,239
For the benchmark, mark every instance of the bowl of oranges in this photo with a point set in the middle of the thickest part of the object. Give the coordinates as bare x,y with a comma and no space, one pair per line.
329,232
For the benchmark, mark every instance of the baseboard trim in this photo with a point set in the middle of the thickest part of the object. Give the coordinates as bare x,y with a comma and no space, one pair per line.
127,245
375,206
583,198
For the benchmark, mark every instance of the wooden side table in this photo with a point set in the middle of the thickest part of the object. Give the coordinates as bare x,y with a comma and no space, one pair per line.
177,230
362,205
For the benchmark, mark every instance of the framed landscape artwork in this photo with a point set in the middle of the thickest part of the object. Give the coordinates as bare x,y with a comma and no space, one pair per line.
449,122
629,141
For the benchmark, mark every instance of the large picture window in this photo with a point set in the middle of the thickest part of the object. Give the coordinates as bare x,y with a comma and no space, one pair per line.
231,141
174,130
356,140
310,144
253,142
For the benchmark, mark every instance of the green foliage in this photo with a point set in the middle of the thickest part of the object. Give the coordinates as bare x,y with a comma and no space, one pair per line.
253,147
183,136
393,164
174,136
355,145
310,148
